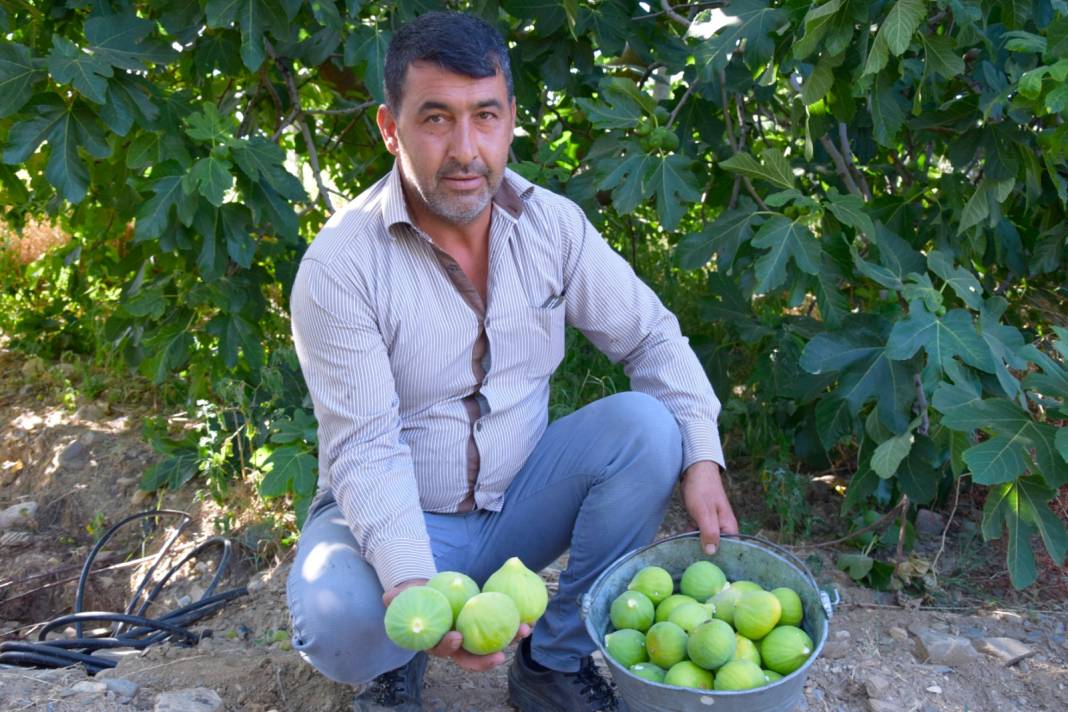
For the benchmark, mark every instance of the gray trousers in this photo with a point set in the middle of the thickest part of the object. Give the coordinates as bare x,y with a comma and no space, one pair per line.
597,483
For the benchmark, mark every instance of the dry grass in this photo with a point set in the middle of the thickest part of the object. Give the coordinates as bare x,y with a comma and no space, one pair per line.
36,239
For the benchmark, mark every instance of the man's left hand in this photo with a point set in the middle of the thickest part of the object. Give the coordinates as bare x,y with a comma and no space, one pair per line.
707,503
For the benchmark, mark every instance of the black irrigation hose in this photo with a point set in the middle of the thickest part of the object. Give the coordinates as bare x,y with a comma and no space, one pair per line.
143,631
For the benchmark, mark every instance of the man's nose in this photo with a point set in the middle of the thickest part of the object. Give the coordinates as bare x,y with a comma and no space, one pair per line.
464,147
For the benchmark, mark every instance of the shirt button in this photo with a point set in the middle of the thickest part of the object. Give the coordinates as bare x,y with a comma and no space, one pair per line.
478,426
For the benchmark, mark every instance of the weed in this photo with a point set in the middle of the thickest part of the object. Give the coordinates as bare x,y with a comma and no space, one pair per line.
784,495
97,526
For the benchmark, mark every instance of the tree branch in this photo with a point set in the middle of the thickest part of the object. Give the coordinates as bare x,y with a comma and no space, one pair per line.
840,165
735,189
298,117
847,154
729,130
284,124
358,108
678,106
900,556
895,161
902,508
742,131
949,522
670,12
246,118
921,405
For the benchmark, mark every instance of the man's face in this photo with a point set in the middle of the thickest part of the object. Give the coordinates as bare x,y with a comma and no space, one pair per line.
451,137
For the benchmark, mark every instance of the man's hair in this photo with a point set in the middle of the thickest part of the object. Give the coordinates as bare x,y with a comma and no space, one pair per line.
459,43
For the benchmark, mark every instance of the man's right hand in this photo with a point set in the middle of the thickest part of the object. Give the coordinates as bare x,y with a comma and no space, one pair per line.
451,644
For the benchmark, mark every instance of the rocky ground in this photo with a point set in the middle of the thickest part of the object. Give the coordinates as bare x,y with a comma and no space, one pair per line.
68,470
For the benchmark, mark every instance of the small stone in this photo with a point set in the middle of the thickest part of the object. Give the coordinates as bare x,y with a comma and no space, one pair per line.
877,685
89,411
945,649
899,634
126,689
1008,650
125,481
841,635
835,649
197,699
34,367
935,689
92,686
139,496
876,705
9,471
256,584
184,601
73,454
196,592
920,630
929,523
18,514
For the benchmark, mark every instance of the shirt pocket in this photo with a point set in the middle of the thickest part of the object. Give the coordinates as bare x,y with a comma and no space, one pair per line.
547,339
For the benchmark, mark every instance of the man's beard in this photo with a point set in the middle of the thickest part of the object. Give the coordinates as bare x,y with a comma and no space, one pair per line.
459,209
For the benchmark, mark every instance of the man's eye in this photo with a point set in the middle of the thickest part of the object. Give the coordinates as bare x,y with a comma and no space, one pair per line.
487,115
435,119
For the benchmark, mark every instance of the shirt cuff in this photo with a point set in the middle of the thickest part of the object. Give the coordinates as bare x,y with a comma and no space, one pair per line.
700,441
401,560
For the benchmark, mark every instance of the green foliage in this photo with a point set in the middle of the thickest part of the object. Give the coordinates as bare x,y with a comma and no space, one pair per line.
865,203
784,495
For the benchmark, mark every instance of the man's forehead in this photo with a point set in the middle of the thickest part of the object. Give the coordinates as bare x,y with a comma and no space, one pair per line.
428,81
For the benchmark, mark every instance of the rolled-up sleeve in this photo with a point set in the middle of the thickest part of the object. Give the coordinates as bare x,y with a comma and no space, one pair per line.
346,365
625,319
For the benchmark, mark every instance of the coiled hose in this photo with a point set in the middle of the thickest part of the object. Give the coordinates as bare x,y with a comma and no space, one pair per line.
130,629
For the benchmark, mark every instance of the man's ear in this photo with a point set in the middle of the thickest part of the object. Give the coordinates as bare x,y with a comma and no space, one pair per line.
387,126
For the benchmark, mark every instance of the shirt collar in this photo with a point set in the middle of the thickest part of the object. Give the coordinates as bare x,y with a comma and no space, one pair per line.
510,199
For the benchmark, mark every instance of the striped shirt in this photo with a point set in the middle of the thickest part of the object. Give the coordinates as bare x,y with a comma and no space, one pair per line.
395,354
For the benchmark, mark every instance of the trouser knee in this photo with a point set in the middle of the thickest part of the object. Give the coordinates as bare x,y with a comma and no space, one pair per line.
646,426
340,635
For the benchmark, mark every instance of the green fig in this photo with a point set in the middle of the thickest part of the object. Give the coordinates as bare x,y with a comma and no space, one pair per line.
418,618
456,586
488,622
523,586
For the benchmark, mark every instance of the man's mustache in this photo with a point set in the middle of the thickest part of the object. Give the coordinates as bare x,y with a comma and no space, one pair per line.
454,169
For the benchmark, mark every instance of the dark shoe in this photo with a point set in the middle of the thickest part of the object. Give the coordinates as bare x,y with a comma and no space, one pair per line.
400,689
546,690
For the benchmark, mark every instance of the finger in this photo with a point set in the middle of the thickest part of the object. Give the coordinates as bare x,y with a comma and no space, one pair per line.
728,524
448,646
708,523
523,632
477,663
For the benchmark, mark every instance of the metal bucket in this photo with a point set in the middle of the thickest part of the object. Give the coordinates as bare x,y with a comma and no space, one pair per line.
740,557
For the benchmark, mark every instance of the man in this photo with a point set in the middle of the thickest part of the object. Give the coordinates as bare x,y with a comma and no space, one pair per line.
428,316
